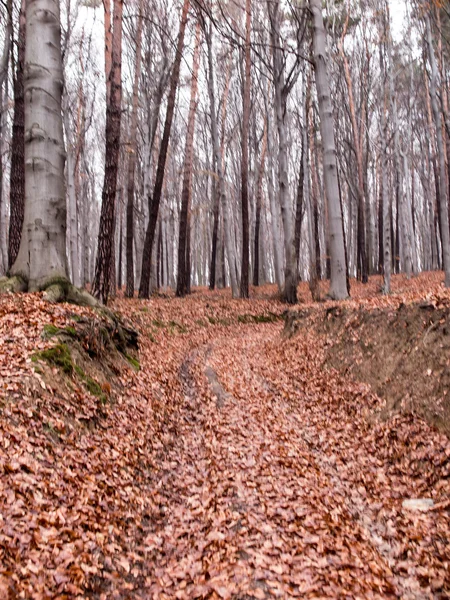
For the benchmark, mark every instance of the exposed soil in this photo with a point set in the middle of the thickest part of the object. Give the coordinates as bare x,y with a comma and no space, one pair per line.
402,352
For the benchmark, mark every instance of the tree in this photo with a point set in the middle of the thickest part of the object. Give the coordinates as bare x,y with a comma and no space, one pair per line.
184,271
244,157
144,288
104,263
338,282
283,83
132,160
443,182
41,261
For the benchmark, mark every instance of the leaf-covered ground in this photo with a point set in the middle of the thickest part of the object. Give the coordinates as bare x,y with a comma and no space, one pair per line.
234,464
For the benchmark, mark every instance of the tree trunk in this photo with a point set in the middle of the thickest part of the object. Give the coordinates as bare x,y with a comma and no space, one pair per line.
218,150
129,292
259,192
289,294
445,235
362,255
184,274
338,284
106,239
17,178
144,288
244,291
41,260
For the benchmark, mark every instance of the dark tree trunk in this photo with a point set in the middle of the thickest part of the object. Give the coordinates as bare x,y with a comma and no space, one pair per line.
132,161
216,208
120,258
259,187
244,291
397,227
184,270
17,179
101,287
300,209
159,274
144,288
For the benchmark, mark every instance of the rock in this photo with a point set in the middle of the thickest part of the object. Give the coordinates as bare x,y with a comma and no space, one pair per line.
418,504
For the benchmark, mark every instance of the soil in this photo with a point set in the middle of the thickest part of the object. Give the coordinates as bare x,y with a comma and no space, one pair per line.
403,353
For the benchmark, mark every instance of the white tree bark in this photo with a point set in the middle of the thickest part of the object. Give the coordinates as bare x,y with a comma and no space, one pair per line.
338,282
287,214
42,255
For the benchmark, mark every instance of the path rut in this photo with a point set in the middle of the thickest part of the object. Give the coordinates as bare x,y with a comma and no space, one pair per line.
273,470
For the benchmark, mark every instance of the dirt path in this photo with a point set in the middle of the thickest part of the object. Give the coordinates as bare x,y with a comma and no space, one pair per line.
230,465
282,489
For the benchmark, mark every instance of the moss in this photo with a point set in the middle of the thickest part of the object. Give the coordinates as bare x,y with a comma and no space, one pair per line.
133,362
214,321
16,283
263,318
61,282
180,328
158,323
58,356
79,371
92,386
201,323
51,330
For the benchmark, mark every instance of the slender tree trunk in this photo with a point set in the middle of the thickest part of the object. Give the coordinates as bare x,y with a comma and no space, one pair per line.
445,235
259,192
300,208
218,150
129,292
338,285
386,209
106,239
363,263
289,294
144,288
17,178
244,291
274,213
184,274
4,58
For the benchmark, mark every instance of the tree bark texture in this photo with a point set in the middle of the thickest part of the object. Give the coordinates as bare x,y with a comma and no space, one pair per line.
289,293
17,177
184,272
42,254
245,263
338,284
129,292
106,238
259,193
443,184
144,288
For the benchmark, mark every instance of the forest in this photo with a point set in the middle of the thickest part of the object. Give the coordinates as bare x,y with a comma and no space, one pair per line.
224,299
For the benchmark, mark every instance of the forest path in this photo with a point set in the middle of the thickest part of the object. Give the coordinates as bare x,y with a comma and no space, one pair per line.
277,487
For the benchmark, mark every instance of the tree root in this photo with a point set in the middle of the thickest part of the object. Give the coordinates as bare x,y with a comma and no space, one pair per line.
55,291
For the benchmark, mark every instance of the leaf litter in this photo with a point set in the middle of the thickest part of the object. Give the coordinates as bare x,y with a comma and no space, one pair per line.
235,464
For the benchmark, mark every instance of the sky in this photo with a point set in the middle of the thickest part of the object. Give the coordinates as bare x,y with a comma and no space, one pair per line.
398,15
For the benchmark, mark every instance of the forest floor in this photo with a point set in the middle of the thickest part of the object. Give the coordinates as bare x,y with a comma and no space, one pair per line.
241,457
